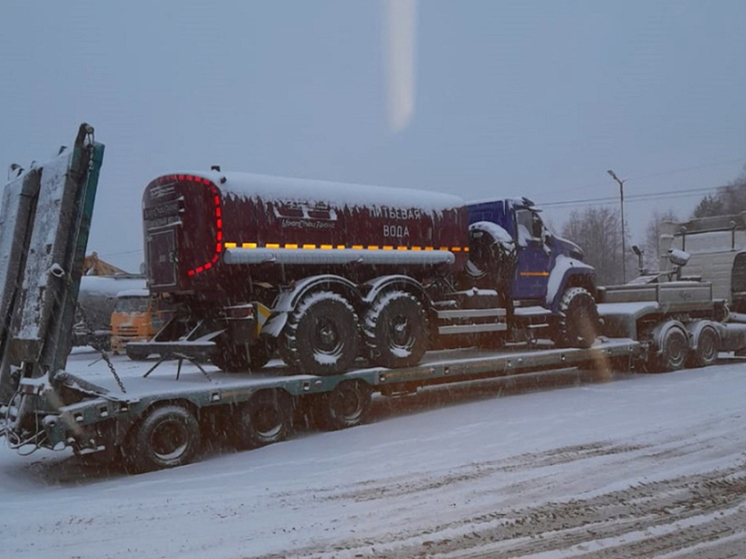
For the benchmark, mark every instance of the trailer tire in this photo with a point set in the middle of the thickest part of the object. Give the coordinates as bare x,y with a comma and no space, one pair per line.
233,358
345,406
168,437
321,335
395,329
578,322
265,419
706,352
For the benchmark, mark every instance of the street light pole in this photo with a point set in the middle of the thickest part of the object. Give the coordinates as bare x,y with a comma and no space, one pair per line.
621,200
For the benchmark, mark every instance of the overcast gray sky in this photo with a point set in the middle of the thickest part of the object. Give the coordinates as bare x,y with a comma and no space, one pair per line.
535,98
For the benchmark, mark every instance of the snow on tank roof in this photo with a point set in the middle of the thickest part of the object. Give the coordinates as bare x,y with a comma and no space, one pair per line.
342,194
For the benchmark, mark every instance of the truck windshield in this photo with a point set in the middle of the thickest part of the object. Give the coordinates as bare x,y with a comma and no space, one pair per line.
131,304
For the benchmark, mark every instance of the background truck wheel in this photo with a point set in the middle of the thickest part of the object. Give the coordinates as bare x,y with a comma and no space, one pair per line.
168,437
233,358
395,330
135,353
264,419
578,322
321,335
706,352
343,407
674,350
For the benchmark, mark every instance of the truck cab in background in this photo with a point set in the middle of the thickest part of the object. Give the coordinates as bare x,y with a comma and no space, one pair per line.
717,249
134,319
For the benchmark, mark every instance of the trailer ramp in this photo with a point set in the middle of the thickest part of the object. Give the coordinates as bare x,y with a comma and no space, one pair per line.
44,225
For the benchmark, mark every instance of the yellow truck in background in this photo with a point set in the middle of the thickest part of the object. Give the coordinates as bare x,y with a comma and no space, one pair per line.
134,319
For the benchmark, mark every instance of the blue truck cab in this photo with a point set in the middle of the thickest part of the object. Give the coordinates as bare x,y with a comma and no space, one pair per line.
512,247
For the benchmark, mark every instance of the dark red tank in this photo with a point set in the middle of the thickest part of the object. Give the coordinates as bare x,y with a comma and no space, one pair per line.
215,231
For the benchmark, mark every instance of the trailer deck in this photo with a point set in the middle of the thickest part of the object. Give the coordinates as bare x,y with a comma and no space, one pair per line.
106,399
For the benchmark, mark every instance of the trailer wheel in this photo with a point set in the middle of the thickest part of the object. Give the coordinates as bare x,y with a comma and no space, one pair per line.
321,335
234,358
706,352
578,322
673,352
265,419
395,329
168,437
343,407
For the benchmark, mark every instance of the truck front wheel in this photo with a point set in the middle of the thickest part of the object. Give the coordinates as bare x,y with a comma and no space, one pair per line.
321,335
168,437
395,330
578,319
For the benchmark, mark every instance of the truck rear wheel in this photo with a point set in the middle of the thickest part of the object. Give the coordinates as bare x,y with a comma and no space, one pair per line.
395,329
706,352
578,322
265,419
168,437
343,407
673,354
321,335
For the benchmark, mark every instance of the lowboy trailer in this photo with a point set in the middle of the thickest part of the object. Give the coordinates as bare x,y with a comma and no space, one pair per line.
159,422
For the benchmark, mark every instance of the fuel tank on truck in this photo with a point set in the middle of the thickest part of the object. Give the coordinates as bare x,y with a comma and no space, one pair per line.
206,230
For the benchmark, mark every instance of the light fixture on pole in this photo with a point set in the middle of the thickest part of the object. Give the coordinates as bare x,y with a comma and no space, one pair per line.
621,201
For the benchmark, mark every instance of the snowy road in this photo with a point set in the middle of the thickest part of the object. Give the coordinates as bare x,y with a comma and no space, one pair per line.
642,466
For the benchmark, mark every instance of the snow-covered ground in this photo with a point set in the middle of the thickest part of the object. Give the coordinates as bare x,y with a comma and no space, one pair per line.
638,466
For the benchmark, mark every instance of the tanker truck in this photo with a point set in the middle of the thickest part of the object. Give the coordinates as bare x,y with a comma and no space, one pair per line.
326,273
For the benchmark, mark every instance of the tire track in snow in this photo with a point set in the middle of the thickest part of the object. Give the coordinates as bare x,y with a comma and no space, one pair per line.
703,513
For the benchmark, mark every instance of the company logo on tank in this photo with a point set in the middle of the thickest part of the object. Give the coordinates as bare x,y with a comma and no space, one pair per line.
307,224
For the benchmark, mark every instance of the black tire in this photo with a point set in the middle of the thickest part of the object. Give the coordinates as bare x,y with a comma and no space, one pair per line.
166,438
706,352
345,406
321,335
673,352
578,319
265,419
136,354
240,358
395,329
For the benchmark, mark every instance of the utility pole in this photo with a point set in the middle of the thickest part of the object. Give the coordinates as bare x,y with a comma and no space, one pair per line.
621,201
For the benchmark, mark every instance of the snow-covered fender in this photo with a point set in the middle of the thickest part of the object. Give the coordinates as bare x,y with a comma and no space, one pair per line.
565,272
662,330
404,283
696,328
288,300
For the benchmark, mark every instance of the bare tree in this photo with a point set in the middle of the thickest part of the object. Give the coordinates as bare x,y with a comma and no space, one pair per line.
652,236
598,232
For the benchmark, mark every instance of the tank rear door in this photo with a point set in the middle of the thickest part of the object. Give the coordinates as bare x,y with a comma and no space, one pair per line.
162,257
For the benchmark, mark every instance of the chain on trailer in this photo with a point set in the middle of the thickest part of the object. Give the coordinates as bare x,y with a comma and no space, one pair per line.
104,354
